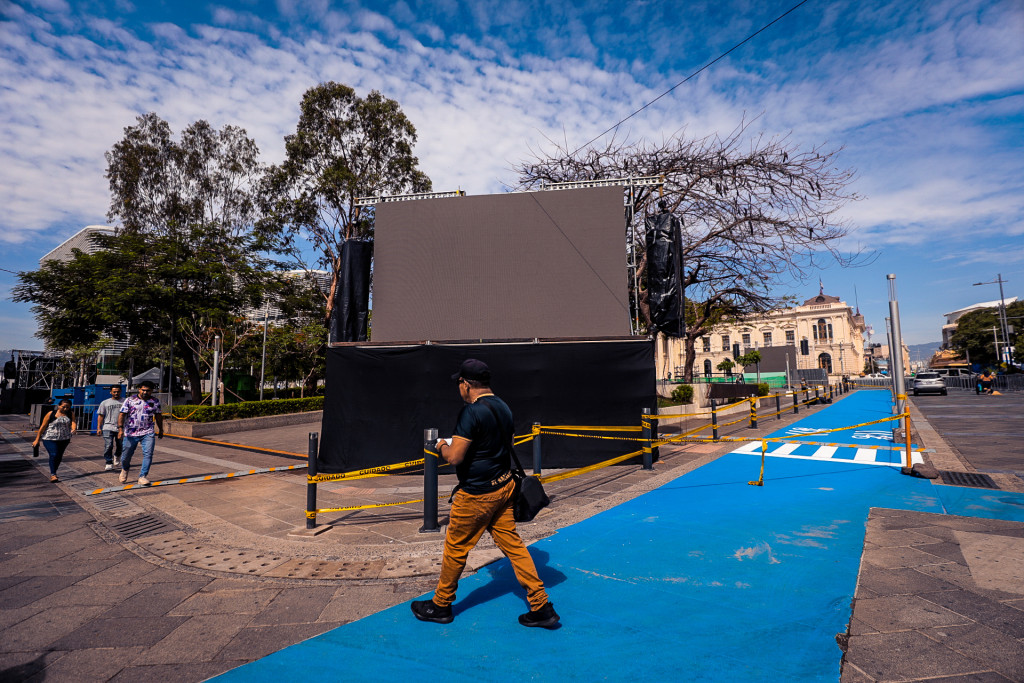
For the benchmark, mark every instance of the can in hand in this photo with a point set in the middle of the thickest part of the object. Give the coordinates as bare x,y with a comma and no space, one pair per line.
35,451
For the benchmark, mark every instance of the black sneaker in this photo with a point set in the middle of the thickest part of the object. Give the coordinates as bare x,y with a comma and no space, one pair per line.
426,610
545,617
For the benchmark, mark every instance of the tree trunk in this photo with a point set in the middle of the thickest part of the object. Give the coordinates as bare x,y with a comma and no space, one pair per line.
195,381
689,344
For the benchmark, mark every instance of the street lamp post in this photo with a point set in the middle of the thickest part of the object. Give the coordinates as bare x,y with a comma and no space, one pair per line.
1004,328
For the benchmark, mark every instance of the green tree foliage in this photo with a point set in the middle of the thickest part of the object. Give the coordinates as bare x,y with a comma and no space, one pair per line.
974,334
726,365
187,254
344,147
758,213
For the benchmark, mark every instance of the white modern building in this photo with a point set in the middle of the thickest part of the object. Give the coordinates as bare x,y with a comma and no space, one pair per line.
951,318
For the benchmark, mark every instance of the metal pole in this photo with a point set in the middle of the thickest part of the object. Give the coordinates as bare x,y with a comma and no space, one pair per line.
778,407
263,361
170,389
753,412
216,360
429,483
714,421
796,403
311,486
536,448
888,341
1002,320
897,343
645,426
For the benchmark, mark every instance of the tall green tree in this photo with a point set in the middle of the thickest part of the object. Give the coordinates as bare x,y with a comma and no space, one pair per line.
190,249
974,333
344,147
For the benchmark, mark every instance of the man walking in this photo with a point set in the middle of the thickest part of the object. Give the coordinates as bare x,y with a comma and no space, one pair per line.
106,425
135,425
480,451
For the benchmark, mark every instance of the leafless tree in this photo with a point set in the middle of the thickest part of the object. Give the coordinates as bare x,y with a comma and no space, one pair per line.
758,214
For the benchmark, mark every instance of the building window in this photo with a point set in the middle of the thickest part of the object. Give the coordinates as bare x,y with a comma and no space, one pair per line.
825,362
746,341
726,346
767,338
791,336
707,368
830,331
821,330
707,344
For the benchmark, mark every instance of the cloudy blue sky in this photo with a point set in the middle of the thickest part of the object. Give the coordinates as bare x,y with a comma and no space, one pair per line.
927,98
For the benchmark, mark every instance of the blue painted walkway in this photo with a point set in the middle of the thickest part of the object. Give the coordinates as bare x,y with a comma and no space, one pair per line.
705,578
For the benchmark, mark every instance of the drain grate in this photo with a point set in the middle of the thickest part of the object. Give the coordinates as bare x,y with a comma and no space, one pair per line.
140,526
980,481
111,503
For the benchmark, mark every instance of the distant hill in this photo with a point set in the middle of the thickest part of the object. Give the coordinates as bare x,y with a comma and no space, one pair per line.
924,351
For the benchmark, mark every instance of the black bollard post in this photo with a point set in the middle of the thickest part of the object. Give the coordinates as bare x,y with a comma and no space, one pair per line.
536,448
796,403
645,427
778,406
429,484
816,401
714,421
311,486
753,412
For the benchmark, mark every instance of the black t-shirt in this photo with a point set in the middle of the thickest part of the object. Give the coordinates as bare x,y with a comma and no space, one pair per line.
488,455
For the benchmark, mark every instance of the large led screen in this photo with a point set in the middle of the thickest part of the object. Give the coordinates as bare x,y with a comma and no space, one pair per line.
509,266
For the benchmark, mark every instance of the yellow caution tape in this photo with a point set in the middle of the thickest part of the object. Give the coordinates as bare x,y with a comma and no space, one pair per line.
370,471
589,468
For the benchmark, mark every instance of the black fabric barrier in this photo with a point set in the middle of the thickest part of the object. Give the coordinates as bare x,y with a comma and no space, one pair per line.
380,399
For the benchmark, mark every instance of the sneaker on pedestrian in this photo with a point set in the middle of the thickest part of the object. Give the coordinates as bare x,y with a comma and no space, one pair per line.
53,478
117,462
427,610
123,477
143,481
545,617
108,467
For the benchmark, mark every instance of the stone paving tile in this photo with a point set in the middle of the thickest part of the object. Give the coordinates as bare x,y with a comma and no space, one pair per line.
907,655
904,611
20,666
35,588
207,601
900,537
980,609
162,673
950,552
128,569
295,606
8,581
988,646
39,631
79,594
198,639
96,664
124,631
10,617
890,558
259,641
900,581
156,599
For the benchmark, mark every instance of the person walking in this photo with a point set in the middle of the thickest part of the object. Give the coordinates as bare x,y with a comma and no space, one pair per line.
480,450
55,431
135,425
106,425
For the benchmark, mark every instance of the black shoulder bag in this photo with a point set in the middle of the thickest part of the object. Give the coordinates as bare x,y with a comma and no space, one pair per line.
529,497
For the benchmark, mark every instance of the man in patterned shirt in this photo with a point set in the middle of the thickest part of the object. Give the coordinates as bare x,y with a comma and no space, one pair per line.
135,426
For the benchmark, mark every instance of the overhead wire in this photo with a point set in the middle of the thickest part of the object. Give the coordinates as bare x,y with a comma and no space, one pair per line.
697,72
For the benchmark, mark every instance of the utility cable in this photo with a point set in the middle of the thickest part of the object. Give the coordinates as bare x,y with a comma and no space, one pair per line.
697,72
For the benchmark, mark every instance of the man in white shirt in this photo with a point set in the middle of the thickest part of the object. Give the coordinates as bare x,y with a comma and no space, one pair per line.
106,424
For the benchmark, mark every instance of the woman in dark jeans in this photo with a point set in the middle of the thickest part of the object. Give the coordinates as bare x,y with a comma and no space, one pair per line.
55,432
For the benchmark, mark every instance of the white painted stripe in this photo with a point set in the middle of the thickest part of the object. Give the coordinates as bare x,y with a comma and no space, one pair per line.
749,447
786,449
865,455
824,453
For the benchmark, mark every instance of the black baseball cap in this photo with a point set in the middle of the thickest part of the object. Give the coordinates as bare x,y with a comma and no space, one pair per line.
474,369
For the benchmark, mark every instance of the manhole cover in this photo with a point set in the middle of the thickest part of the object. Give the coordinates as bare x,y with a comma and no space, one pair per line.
980,481
140,526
